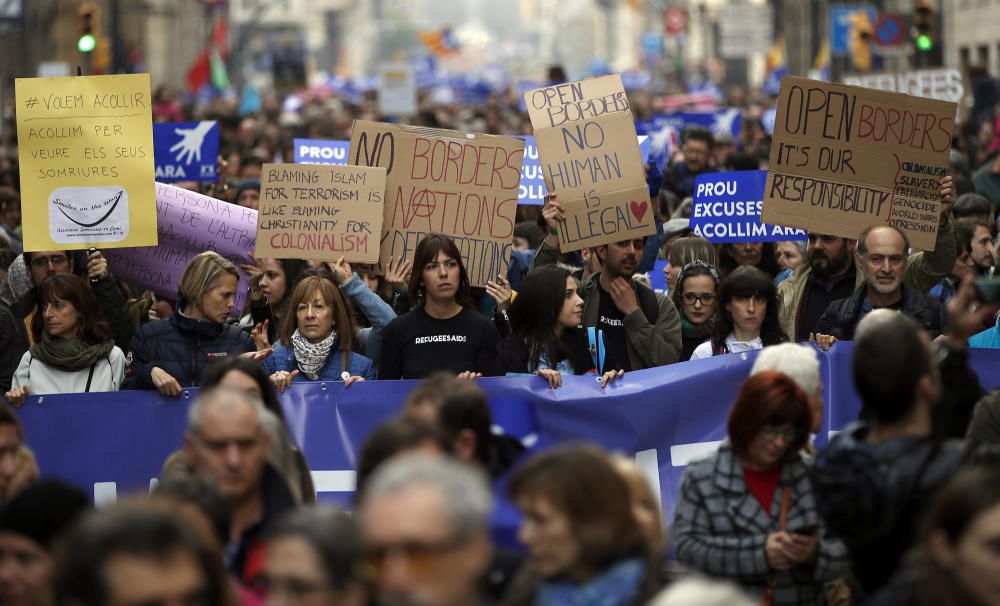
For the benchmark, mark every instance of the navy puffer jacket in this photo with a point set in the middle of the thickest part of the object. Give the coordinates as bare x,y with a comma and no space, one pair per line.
183,347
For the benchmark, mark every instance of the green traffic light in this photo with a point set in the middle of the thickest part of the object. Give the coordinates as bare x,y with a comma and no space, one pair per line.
86,43
924,42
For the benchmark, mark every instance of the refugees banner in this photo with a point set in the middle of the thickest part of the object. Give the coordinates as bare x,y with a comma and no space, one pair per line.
726,208
115,443
186,151
188,223
86,159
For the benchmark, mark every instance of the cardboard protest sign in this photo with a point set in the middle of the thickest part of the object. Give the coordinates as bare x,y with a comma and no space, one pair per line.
533,181
590,157
397,91
322,212
188,223
320,151
464,185
186,151
845,158
86,157
726,209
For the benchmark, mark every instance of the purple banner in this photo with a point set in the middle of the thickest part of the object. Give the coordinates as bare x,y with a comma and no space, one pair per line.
187,223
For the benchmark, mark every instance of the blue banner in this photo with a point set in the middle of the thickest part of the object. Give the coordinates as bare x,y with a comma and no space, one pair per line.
727,209
111,444
320,151
186,151
725,121
532,190
840,25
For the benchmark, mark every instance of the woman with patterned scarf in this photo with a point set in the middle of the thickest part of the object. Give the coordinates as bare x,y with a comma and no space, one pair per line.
74,350
317,338
694,296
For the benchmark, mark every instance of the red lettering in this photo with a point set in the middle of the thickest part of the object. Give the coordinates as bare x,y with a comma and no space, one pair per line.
866,121
454,155
500,154
418,154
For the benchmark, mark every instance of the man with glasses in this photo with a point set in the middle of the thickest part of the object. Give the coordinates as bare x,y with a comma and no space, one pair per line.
881,254
425,525
831,272
629,327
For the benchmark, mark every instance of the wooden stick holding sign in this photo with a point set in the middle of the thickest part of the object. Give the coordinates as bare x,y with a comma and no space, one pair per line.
845,158
320,211
590,157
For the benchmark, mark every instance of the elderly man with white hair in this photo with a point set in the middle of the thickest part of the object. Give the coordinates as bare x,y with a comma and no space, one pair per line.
800,363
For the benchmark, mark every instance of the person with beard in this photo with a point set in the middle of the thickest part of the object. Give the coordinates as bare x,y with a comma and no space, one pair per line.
881,252
831,273
980,244
625,320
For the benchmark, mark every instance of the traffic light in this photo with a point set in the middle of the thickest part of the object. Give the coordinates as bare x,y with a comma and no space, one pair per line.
923,25
88,18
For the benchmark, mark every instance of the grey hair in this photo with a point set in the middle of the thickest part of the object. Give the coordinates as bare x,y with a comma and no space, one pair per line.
464,491
875,319
226,395
798,362
862,248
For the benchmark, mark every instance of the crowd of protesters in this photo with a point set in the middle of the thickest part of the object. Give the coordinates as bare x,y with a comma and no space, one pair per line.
899,508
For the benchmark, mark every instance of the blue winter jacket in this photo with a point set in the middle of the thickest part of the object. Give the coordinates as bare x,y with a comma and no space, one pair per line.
283,358
183,347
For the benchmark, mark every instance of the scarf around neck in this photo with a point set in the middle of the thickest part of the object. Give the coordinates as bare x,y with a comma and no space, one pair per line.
69,354
616,586
311,357
696,331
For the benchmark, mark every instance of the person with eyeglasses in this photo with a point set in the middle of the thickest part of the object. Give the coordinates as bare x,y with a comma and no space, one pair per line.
748,513
694,295
425,524
746,315
315,558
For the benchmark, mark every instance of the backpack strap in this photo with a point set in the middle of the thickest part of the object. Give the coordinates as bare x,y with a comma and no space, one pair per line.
648,303
595,337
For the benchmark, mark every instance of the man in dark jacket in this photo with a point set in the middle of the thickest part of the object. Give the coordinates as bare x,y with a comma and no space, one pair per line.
697,148
227,441
881,253
875,479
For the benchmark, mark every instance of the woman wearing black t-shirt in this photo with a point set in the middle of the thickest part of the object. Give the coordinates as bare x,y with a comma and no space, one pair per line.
547,339
444,332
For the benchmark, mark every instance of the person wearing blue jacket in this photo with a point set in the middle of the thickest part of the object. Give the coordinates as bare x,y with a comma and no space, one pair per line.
173,353
317,338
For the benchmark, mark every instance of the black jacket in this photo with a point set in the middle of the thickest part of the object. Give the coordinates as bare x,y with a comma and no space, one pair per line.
513,355
872,496
14,337
183,347
842,316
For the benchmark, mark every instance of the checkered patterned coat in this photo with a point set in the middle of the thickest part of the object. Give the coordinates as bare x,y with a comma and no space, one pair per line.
720,529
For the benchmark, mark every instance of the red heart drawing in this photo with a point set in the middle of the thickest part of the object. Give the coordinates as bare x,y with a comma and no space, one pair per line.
638,210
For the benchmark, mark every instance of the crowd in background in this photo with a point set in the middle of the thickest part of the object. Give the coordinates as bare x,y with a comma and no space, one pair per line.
900,508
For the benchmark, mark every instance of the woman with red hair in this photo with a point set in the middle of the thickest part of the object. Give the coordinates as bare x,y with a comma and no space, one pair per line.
748,513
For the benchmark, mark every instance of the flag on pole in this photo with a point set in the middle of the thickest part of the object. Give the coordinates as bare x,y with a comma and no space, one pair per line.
210,66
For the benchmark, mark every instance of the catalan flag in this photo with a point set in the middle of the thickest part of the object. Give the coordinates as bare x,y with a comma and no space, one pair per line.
440,42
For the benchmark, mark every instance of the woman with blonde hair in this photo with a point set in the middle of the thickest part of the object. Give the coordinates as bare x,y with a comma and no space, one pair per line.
174,352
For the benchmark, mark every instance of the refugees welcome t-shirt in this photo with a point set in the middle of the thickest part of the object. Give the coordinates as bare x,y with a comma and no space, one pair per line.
415,345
